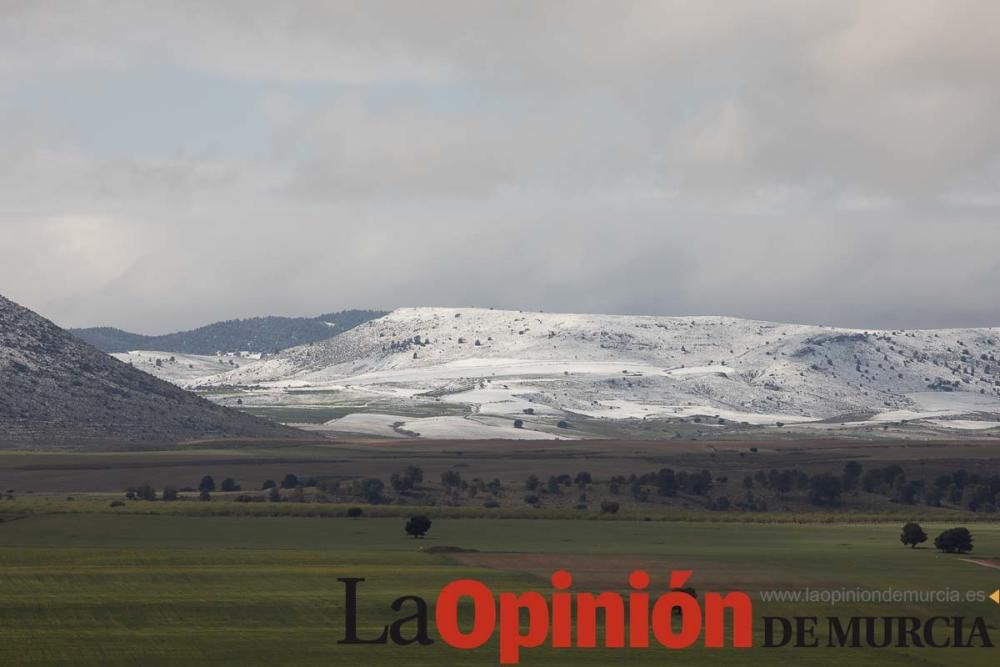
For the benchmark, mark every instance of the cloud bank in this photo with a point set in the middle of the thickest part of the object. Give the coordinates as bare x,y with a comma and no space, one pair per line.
170,164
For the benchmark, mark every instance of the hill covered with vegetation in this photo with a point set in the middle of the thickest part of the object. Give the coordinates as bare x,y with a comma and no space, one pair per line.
255,334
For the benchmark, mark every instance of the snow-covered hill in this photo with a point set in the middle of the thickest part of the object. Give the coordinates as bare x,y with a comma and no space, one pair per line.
183,369
545,368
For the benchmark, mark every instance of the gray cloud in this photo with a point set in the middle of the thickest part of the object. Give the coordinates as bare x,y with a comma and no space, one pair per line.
823,162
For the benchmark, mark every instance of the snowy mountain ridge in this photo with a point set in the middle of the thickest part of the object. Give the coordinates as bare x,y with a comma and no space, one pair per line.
560,366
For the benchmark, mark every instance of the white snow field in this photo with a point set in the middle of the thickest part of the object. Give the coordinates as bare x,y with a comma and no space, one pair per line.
545,368
444,427
178,368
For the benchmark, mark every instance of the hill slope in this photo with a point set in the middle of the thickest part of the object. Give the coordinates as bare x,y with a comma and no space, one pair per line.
256,334
559,366
56,388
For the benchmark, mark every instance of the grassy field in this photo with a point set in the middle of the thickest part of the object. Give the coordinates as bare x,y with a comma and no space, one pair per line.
87,578
107,589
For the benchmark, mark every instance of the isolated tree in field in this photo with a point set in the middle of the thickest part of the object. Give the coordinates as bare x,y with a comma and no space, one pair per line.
518,423
418,526
954,541
274,496
229,484
290,481
912,535
207,484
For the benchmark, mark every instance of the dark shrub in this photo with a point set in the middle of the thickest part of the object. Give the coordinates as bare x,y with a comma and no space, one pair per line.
954,541
418,526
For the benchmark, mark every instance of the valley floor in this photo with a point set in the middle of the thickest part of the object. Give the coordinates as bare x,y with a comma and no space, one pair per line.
90,578
165,590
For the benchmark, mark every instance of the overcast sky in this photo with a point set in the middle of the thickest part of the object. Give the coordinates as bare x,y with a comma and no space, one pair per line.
165,165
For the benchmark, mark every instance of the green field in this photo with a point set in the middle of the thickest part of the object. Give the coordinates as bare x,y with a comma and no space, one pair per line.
106,589
88,578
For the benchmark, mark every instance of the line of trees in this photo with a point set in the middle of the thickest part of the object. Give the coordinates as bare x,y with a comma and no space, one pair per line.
967,490
970,491
171,493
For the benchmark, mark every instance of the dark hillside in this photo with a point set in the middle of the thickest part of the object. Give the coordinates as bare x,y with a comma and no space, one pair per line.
55,388
255,334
